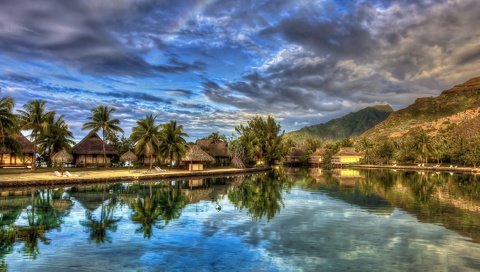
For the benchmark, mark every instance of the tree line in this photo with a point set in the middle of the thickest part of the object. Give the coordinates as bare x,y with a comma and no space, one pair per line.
259,139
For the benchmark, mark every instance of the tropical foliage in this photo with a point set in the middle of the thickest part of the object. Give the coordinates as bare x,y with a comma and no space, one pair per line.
101,119
34,117
173,143
146,136
259,139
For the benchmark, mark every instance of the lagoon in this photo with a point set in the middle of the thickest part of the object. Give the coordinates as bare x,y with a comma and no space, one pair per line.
284,220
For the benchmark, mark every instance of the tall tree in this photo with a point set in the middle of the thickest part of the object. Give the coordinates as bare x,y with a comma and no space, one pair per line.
366,145
56,137
102,119
173,144
8,128
147,138
267,137
422,145
35,117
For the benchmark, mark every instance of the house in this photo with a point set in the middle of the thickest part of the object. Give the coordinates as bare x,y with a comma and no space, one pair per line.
294,156
89,151
10,159
346,155
317,157
218,150
196,158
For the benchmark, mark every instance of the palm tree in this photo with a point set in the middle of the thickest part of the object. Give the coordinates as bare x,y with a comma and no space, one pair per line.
146,135
172,144
34,117
56,137
422,145
216,137
8,128
7,118
366,145
102,119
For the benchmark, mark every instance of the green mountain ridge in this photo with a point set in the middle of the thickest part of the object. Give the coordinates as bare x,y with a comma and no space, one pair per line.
426,110
352,124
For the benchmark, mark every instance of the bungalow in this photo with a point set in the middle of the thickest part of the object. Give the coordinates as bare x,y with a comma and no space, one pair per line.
317,157
196,158
218,150
10,159
346,155
89,151
294,156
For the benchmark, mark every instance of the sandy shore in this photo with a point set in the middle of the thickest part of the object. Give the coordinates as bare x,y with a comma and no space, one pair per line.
48,178
433,168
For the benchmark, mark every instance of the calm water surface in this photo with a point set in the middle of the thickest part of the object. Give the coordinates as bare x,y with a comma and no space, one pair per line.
287,220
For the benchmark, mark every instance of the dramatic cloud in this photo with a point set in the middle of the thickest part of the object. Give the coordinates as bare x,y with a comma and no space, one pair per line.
213,64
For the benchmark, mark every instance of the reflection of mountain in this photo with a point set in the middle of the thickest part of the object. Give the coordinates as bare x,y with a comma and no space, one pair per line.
453,201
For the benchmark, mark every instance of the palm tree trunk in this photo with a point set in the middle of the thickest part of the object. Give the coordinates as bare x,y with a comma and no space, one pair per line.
104,151
151,161
34,157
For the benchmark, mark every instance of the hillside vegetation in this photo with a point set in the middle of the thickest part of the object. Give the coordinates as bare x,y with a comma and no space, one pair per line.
352,124
454,111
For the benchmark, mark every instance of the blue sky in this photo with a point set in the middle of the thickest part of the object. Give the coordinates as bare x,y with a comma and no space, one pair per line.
211,65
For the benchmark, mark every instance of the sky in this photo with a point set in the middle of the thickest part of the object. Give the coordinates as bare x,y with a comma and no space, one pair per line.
212,65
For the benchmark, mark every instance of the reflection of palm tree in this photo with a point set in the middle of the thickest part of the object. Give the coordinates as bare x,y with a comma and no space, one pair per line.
260,195
171,203
99,228
146,213
165,203
41,217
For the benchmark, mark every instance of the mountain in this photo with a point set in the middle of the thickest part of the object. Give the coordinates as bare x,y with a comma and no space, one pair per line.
454,112
352,124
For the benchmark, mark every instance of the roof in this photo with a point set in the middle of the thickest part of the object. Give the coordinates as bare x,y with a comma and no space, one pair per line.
196,154
218,149
128,156
92,144
27,146
319,152
295,152
348,151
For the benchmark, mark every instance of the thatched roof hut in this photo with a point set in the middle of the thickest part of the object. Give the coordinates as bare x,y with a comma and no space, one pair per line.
294,155
347,155
128,156
27,146
92,144
12,159
195,158
196,154
216,149
317,156
62,157
89,151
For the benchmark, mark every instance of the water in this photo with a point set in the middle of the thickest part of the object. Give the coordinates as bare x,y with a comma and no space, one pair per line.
287,220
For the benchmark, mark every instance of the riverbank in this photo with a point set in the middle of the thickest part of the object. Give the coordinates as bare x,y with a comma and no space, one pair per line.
452,169
112,175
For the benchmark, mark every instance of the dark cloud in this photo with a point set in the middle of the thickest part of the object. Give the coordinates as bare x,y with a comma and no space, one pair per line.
78,33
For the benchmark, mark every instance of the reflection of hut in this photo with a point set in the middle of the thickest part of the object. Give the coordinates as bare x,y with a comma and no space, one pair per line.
195,158
294,156
218,150
317,157
347,177
89,151
346,155
10,159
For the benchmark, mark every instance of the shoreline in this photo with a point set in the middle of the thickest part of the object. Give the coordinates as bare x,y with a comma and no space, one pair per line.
468,170
129,177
